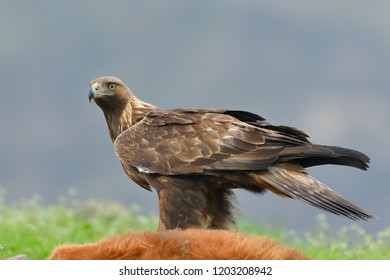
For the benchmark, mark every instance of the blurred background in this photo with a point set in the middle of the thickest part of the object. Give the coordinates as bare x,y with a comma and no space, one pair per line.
320,66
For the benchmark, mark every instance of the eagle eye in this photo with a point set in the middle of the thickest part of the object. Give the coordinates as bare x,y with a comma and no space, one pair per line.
111,86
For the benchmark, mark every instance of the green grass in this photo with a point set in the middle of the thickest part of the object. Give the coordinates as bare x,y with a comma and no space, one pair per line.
33,228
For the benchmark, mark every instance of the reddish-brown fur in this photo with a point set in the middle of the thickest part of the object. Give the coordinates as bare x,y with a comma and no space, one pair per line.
191,244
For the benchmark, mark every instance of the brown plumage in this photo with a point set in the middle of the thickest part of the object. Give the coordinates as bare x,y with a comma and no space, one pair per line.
195,157
190,244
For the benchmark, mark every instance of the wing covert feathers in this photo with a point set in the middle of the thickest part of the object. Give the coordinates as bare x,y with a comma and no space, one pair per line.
184,142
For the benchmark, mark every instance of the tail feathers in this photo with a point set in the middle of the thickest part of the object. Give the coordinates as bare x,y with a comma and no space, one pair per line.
351,157
319,155
299,185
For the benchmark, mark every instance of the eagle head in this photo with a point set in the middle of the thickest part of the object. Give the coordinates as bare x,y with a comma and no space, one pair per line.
120,107
108,92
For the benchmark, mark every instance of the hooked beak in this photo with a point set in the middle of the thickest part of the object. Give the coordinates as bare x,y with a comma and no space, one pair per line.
92,92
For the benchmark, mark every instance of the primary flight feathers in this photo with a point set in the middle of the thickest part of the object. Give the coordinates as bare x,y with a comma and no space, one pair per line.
195,157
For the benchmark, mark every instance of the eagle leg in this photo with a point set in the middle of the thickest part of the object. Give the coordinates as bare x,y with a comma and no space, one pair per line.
188,202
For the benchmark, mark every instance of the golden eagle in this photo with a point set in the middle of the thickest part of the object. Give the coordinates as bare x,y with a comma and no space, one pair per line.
193,158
